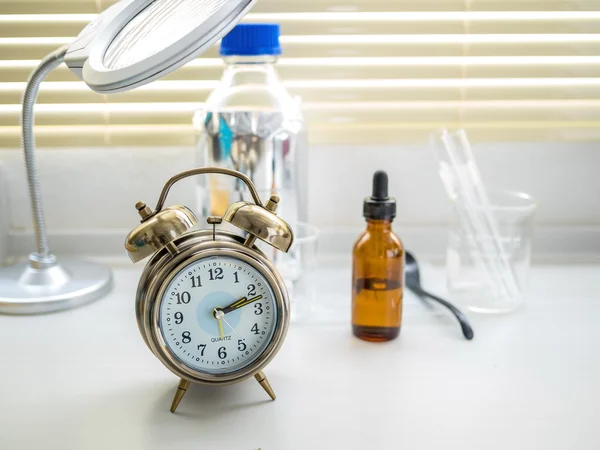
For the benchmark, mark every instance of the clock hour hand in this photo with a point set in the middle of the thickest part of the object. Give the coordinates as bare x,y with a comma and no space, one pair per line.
244,301
221,332
220,322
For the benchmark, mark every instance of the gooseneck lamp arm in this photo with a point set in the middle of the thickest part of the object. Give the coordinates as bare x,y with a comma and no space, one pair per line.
36,78
44,284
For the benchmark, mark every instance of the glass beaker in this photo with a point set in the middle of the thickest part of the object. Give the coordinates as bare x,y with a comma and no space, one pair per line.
469,283
298,269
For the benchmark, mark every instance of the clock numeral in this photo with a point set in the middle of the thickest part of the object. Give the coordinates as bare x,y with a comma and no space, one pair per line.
241,345
258,310
203,347
222,353
196,282
185,337
235,275
183,297
251,289
255,329
215,274
178,318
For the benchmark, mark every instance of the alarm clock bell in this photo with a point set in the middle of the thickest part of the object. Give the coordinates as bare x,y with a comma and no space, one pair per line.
159,228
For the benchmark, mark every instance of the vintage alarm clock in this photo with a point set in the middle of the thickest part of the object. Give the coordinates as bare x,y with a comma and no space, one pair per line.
210,305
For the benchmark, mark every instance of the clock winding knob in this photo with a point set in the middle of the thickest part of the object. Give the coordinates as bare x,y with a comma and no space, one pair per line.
273,203
143,210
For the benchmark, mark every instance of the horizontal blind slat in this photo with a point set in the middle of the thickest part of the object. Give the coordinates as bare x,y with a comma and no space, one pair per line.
534,5
369,67
385,22
418,5
387,133
375,45
48,6
334,90
90,6
333,112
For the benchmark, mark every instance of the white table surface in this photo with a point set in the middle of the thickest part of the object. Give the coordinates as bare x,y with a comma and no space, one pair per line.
83,379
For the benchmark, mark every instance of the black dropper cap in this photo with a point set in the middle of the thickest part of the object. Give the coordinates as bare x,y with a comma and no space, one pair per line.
380,206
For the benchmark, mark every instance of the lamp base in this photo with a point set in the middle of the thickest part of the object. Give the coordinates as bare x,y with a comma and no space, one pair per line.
28,290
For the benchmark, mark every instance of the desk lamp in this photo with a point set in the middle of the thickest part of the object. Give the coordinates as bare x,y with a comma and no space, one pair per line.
130,44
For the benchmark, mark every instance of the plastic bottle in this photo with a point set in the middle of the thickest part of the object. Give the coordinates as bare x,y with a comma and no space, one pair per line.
252,124
378,269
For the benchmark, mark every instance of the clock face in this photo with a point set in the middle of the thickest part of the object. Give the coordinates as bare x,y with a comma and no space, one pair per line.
218,315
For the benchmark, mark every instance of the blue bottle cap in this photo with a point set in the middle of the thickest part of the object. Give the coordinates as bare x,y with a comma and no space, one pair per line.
252,39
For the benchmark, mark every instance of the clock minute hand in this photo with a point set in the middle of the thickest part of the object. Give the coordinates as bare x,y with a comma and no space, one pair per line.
244,301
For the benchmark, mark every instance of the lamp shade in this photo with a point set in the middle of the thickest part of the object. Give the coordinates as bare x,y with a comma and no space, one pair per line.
137,41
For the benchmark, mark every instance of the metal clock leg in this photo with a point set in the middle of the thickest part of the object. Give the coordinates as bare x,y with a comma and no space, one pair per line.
262,380
181,390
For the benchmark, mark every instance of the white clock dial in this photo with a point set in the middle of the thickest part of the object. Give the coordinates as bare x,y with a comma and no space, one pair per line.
197,294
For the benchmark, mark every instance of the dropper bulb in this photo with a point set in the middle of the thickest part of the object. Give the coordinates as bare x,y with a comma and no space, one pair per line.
380,185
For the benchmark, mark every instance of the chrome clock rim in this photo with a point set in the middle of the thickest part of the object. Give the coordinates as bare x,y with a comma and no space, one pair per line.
152,297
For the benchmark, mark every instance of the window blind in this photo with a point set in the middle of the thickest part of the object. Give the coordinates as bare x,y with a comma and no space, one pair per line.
368,71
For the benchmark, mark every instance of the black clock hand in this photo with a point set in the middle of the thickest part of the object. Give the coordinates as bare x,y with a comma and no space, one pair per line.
244,301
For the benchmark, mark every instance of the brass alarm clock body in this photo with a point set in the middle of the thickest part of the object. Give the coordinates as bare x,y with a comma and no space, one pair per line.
210,305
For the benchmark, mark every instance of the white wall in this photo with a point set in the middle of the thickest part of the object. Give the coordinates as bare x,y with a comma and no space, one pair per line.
89,192
563,177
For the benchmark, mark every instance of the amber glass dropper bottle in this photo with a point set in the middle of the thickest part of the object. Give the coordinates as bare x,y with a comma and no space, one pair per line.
378,269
